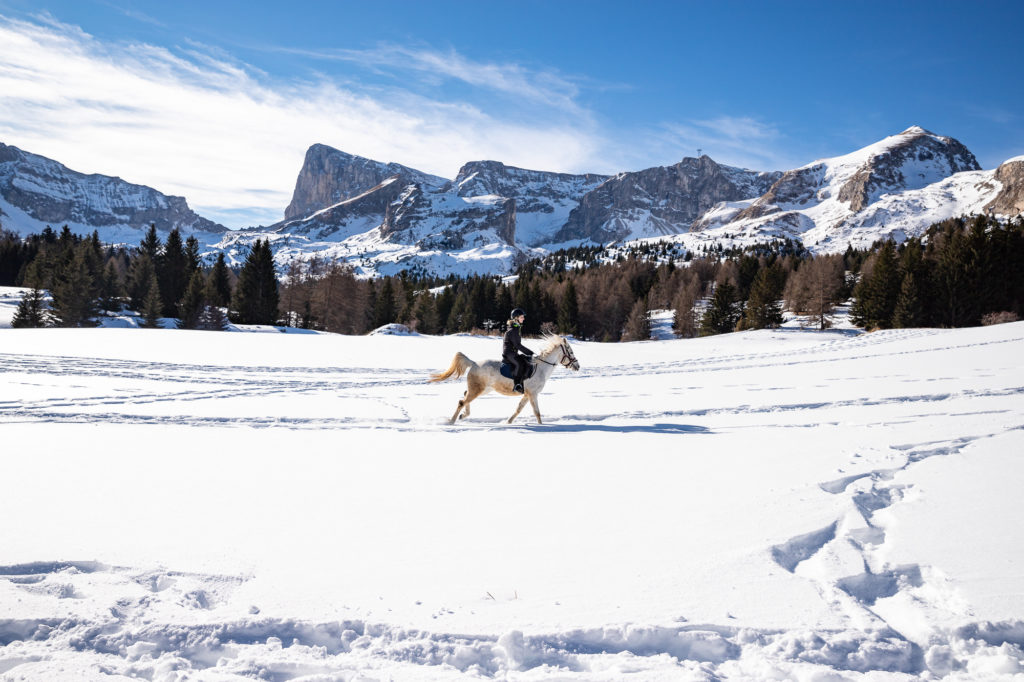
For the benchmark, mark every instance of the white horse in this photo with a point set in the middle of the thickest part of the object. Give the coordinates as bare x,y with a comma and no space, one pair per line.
487,376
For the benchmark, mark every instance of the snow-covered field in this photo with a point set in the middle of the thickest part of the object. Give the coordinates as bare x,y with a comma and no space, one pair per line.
762,505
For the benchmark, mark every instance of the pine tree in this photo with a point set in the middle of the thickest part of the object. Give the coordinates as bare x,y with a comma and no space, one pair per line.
111,290
76,293
384,305
909,306
31,311
193,302
638,324
171,272
192,260
569,311
875,295
256,296
151,245
763,309
425,314
139,275
220,283
212,317
152,307
722,315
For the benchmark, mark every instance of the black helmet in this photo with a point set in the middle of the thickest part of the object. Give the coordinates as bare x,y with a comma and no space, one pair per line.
516,313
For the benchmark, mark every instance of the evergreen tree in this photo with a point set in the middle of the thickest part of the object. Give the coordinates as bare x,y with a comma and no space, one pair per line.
220,283
384,306
256,296
192,260
569,311
193,302
875,295
31,311
111,290
722,315
909,306
76,293
212,317
151,245
638,324
152,307
425,314
763,309
171,273
140,274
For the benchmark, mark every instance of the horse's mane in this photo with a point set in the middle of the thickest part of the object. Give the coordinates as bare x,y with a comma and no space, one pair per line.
552,341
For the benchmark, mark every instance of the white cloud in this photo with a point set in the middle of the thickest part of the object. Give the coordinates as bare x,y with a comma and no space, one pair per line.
733,140
539,87
231,140
197,122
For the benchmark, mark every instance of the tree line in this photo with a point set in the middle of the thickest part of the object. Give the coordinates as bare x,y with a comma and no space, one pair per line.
158,279
961,272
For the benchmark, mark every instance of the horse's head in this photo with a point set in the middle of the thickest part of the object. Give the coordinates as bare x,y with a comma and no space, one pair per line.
569,360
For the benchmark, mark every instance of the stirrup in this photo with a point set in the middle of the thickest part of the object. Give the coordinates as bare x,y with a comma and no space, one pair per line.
518,388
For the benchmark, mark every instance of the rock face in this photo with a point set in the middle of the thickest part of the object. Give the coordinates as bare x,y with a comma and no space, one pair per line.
329,176
37,192
1010,200
543,201
911,160
660,201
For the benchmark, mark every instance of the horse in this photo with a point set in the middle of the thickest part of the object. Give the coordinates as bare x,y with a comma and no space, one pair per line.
487,376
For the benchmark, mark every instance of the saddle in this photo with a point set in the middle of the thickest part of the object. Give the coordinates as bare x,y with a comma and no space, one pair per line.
508,371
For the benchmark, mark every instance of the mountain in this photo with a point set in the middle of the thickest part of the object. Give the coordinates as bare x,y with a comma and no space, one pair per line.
660,201
490,217
382,218
329,176
876,191
36,192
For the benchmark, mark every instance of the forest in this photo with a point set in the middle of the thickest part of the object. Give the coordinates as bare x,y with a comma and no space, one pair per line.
961,272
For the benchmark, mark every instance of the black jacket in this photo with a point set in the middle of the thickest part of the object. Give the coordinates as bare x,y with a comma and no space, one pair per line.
513,342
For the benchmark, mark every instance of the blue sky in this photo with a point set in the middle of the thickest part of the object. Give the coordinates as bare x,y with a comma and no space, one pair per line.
218,100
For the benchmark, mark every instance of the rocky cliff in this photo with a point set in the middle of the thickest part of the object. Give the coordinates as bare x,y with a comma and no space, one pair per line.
329,176
36,191
1010,199
660,201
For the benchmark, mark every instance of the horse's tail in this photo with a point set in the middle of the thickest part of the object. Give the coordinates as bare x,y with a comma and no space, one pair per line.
460,363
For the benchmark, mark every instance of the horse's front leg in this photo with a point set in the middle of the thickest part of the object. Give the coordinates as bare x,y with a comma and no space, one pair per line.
536,408
522,404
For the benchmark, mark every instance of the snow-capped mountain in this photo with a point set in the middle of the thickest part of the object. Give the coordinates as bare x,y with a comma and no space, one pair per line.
36,192
329,176
487,219
895,187
384,217
660,201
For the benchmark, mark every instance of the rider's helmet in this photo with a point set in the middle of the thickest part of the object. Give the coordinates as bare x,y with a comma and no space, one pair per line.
516,313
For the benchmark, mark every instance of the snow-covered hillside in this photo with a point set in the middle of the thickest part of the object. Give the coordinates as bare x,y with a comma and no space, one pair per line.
36,192
761,505
896,187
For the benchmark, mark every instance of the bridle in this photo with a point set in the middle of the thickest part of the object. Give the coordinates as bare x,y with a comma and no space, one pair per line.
567,361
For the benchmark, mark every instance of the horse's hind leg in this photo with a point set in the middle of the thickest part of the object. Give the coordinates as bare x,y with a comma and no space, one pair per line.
458,409
522,404
471,394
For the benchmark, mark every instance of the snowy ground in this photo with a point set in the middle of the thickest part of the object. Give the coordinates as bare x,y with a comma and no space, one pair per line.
761,505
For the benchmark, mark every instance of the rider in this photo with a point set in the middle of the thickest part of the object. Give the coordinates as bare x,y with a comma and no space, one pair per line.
513,346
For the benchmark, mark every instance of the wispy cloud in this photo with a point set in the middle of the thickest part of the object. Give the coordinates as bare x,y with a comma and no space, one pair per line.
734,140
196,122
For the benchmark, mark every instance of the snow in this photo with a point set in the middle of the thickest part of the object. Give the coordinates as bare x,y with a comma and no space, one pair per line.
762,505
